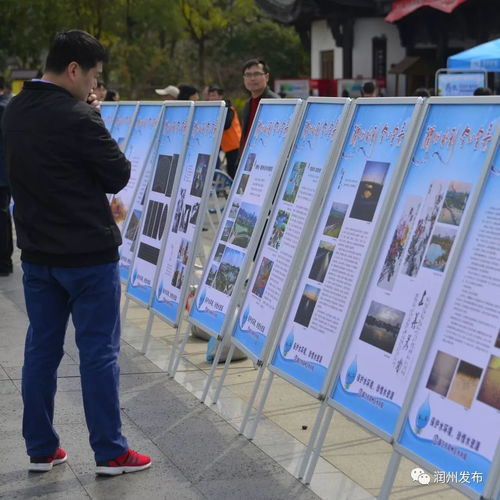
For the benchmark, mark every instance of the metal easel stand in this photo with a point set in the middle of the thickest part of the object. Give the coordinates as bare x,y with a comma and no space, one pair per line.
262,402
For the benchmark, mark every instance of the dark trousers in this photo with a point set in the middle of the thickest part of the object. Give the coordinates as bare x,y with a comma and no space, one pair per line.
91,295
6,246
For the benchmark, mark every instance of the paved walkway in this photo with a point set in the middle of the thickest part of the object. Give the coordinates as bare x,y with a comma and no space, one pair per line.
196,454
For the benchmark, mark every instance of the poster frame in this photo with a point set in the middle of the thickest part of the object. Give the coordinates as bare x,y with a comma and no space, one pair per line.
452,264
202,214
150,148
432,329
374,243
259,226
109,104
166,105
132,120
317,202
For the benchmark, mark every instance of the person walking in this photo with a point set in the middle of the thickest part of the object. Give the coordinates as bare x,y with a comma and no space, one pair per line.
61,162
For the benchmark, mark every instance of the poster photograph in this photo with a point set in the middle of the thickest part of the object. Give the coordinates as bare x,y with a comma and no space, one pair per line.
445,167
453,417
309,157
340,242
251,189
157,189
181,234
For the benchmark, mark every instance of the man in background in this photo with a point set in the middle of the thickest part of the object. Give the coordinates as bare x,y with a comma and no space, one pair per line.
255,79
61,162
231,136
6,245
369,90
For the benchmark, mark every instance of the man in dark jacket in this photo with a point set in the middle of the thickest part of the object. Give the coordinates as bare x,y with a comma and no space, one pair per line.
255,79
6,246
61,162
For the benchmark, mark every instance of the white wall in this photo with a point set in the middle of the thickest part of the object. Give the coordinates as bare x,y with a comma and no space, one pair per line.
322,39
364,30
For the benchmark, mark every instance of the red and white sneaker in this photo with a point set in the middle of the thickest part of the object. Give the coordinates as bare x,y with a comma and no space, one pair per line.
44,464
130,461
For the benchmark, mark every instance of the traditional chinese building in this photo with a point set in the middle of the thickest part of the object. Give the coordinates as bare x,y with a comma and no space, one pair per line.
402,42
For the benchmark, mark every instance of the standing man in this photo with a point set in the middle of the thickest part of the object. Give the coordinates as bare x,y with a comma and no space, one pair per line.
255,79
6,246
61,162
231,136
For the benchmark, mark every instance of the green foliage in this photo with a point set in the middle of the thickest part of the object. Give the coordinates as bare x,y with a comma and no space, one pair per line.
152,43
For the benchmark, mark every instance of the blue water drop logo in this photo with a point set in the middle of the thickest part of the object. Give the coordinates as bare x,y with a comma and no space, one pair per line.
203,294
423,416
134,277
288,343
244,317
351,373
160,290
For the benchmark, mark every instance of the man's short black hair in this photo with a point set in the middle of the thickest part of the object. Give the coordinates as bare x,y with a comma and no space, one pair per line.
483,91
255,62
368,88
213,88
74,45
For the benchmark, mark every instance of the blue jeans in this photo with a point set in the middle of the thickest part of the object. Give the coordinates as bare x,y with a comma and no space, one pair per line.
92,296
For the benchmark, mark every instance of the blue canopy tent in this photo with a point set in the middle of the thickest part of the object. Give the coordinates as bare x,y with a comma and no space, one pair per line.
485,56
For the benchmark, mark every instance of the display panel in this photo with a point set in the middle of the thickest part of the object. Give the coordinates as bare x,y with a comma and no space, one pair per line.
188,211
453,420
261,162
411,267
122,123
164,180
108,112
309,158
341,241
136,151
459,84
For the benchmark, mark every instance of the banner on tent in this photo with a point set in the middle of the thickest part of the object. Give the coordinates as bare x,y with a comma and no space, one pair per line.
341,240
122,122
165,176
260,167
188,212
137,149
453,418
394,315
310,155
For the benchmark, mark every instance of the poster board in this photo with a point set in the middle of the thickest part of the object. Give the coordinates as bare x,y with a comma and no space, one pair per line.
131,225
415,258
247,207
459,83
188,212
452,419
358,199
304,177
108,112
167,161
136,150
122,123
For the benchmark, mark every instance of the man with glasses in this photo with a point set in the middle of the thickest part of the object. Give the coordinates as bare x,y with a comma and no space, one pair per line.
255,79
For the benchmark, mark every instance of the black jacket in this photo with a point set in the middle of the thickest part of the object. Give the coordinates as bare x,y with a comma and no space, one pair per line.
61,161
268,94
